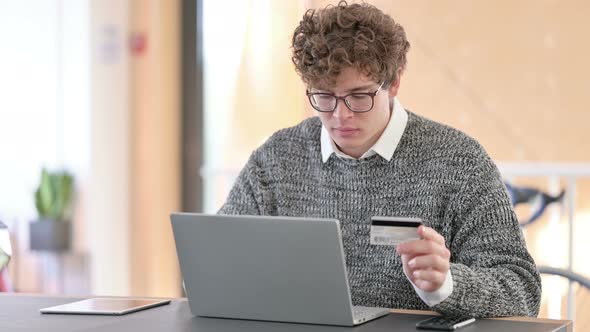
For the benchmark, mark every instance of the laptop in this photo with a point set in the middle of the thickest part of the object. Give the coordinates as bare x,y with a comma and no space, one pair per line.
281,269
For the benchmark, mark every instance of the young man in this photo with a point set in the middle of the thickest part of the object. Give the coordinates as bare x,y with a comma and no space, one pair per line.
364,155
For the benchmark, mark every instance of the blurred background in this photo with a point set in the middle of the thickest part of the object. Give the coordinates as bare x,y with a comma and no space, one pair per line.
153,106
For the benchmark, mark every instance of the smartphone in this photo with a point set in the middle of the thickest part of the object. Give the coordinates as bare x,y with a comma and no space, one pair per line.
442,323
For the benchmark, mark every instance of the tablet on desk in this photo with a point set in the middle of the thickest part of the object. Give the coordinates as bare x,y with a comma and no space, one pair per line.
104,306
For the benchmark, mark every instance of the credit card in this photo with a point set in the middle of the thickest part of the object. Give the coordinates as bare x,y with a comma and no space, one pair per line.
391,231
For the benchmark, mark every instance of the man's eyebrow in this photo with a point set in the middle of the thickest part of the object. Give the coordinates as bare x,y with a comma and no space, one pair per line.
364,87
358,88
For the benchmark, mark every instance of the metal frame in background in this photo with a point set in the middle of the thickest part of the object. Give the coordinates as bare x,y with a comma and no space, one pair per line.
572,172
192,105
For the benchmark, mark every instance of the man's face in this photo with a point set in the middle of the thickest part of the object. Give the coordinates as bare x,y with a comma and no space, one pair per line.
355,133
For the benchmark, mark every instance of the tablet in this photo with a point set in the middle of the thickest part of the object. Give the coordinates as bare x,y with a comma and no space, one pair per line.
104,306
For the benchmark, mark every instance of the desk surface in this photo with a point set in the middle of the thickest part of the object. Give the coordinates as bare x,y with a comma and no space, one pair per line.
20,313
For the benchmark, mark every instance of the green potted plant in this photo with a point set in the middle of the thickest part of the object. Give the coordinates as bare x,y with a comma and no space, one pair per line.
53,200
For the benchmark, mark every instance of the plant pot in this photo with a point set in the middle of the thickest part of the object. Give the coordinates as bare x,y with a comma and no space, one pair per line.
49,235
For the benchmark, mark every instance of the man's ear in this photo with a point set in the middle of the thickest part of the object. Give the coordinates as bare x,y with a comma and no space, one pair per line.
394,86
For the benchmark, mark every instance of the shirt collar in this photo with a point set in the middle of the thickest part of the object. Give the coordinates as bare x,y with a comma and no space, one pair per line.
385,145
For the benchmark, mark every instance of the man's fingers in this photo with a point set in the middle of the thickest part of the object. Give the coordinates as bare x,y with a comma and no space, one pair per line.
435,262
434,276
428,233
426,286
423,247
406,259
426,261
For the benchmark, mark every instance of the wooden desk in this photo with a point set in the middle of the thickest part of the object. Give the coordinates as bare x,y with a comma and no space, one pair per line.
21,313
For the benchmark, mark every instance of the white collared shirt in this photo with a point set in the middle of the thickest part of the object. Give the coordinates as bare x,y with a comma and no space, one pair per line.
385,147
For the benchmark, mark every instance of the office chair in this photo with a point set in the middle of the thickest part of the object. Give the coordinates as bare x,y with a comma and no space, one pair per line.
536,198
539,201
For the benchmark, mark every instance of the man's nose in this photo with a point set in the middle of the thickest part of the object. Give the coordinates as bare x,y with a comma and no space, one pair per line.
342,111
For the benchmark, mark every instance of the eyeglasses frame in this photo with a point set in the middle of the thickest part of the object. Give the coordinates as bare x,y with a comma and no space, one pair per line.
343,98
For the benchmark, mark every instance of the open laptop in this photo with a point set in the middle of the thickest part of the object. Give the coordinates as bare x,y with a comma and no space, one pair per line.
266,268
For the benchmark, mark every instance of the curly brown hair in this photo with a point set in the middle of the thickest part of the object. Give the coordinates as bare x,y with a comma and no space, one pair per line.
357,35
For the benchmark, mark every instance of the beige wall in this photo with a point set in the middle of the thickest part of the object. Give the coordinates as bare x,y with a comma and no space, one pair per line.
510,74
108,201
155,147
135,172
267,90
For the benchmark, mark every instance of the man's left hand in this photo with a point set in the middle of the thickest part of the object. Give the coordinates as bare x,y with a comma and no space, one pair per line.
426,261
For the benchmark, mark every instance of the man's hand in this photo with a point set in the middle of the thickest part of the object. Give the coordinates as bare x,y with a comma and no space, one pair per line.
426,261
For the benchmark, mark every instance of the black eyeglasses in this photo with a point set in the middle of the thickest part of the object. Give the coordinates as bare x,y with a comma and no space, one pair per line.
358,102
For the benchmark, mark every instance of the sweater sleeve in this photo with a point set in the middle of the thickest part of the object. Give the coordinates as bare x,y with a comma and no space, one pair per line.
493,273
242,197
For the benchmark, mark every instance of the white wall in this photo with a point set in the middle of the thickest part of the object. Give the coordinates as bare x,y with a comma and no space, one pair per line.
28,100
64,104
44,115
108,213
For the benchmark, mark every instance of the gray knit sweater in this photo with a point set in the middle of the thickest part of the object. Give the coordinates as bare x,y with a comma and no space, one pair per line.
437,174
